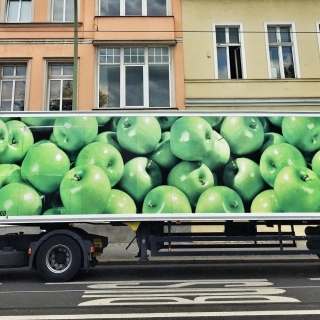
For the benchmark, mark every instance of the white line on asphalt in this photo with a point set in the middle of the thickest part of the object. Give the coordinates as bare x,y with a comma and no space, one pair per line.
154,281
164,315
314,279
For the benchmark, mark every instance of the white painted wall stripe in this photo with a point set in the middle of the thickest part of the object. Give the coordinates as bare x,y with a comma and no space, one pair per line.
164,315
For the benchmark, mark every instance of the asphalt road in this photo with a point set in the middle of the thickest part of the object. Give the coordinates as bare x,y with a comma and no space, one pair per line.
234,289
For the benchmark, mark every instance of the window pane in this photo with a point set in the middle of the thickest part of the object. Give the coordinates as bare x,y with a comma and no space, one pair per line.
156,8
13,11
7,87
58,10
222,63
235,62
220,35
19,93
109,87
25,14
8,71
272,34
159,92
288,62
69,10
55,70
5,105
274,62
67,70
21,71
110,7
133,7
55,89
285,34
234,35
134,86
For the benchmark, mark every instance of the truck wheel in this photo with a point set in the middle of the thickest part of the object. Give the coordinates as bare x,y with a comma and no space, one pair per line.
59,259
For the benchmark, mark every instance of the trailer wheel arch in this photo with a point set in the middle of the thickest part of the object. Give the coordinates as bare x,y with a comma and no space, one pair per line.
74,238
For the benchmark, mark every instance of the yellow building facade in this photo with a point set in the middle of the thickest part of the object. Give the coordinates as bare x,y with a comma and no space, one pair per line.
251,55
130,54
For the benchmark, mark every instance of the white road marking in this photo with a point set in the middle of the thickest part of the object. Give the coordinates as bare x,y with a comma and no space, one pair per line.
184,292
165,315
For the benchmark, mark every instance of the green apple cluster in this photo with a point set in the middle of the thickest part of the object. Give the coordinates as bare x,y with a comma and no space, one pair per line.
166,164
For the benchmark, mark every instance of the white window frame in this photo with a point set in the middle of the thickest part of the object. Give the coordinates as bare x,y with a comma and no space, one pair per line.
19,11
144,8
145,76
295,54
64,13
318,32
243,53
61,77
15,78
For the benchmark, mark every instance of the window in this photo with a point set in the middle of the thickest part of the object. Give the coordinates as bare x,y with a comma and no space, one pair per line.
12,87
63,10
60,87
282,53
134,77
18,11
133,7
229,53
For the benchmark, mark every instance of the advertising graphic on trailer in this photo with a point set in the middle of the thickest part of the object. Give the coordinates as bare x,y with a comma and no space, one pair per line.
146,164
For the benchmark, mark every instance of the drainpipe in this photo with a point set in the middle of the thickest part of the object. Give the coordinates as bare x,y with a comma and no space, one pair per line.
75,59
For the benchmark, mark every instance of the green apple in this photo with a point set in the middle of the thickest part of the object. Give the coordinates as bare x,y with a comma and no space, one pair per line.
109,137
219,156
162,154
139,135
265,124
20,139
6,119
56,211
113,123
315,163
105,156
214,121
219,199
166,122
44,166
276,157
102,120
9,173
243,175
120,202
4,136
39,121
265,202
191,138
73,133
85,189
244,134
271,138
166,199
192,178
276,121
302,132
297,189
20,199
140,175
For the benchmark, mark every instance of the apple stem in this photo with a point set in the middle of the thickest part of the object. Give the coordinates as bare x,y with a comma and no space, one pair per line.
109,164
305,178
234,165
202,182
235,205
76,177
14,141
127,124
253,125
149,164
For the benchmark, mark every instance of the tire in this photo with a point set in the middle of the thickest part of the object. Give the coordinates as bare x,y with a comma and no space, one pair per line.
59,259
14,259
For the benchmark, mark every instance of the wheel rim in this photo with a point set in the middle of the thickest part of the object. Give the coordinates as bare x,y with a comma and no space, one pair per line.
58,258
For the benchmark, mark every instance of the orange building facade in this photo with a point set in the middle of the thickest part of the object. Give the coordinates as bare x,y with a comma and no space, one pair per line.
130,54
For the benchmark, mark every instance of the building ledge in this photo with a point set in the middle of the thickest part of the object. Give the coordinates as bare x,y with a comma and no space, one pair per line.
38,25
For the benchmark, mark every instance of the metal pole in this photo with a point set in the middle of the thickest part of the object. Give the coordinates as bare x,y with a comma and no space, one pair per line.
75,59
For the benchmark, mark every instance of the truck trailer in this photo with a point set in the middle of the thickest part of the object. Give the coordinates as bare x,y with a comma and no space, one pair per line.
162,174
